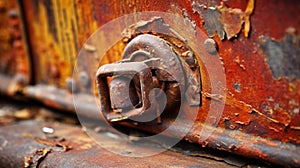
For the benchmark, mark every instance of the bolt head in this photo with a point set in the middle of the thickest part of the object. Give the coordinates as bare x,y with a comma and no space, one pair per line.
84,79
211,46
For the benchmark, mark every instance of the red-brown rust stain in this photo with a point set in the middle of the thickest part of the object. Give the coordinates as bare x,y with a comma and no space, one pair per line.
242,61
13,51
5,36
241,58
73,22
232,20
249,145
260,154
58,30
277,120
246,65
221,20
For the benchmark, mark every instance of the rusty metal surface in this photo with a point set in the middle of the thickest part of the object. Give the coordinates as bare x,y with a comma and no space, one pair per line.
83,151
56,34
272,151
39,138
262,94
14,57
150,63
35,137
269,114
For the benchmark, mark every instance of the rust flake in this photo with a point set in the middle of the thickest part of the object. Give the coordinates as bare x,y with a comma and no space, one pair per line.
54,143
232,20
212,23
224,21
282,56
37,156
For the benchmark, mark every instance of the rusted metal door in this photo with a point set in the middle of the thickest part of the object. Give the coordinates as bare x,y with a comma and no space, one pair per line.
247,64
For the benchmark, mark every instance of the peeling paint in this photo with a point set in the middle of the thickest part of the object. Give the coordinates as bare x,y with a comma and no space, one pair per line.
245,67
212,23
57,31
221,20
282,56
248,12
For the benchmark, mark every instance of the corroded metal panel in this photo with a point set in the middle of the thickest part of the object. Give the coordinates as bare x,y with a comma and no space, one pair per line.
24,145
261,94
14,58
57,30
257,43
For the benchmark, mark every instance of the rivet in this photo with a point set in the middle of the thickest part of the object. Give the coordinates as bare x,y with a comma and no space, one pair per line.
71,85
211,46
84,79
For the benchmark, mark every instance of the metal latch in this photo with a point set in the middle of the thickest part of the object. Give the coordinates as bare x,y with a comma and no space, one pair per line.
150,79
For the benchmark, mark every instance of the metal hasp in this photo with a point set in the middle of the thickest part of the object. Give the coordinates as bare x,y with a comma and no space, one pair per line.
149,80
